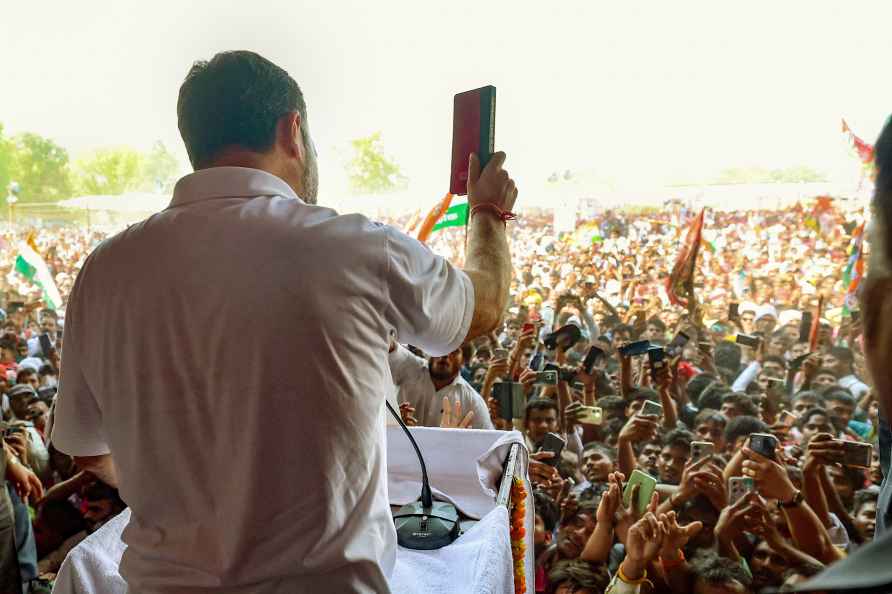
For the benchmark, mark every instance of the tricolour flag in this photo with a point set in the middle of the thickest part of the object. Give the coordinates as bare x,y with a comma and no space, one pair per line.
32,266
455,216
854,271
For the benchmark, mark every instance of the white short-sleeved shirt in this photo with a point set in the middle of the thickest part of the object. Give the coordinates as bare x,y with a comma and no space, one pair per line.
414,385
231,353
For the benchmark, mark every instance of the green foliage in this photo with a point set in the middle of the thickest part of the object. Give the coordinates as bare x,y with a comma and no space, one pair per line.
40,167
369,171
160,169
759,175
109,172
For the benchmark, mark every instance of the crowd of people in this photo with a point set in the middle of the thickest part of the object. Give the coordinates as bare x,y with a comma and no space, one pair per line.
703,527
763,452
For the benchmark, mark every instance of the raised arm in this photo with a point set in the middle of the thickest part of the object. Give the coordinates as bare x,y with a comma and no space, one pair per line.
487,259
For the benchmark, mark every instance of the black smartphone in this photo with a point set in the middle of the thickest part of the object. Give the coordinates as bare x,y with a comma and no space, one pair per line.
733,311
591,358
798,361
678,343
510,398
635,348
656,355
46,345
805,326
473,131
555,444
764,444
748,340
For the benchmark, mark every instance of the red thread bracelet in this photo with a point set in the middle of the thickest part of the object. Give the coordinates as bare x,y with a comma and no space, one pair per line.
503,215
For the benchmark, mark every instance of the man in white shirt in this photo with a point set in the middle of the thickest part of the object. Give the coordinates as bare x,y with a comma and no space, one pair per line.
424,384
842,361
225,361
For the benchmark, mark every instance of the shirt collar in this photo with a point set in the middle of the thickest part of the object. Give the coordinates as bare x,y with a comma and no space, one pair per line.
229,182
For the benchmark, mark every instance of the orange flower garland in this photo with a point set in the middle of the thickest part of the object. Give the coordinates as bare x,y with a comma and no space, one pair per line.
518,534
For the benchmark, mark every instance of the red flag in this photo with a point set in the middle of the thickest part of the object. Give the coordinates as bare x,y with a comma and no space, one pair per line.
680,284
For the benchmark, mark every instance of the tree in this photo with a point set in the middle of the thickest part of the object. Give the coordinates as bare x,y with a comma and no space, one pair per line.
760,175
369,171
109,171
40,166
160,169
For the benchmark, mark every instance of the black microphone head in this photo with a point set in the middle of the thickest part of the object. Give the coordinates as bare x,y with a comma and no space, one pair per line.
426,528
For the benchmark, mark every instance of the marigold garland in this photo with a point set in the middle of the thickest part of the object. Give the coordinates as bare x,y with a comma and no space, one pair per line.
518,534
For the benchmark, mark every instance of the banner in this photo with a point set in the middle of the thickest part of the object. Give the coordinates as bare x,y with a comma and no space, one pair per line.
31,265
680,284
854,271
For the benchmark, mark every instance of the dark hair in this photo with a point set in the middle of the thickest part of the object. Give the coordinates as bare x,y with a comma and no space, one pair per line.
98,491
539,404
743,402
716,570
838,394
707,415
582,574
728,355
774,359
467,352
742,426
622,328
679,437
615,404
712,396
826,371
656,321
843,354
62,516
601,448
23,373
644,394
697,385
547,509
807,394
46,369
864,496
236,99
806,417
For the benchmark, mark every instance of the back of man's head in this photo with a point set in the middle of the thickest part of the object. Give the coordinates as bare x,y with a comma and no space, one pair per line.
234,100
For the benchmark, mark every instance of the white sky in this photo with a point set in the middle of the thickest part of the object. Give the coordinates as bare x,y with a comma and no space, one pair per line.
634,91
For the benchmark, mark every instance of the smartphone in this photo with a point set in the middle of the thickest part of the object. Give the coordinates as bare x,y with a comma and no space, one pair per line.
635,348
701,449
547,378
651,408
857,454
594,353
656,355
593,415
733,311
677,345
500,353
510,398
788,419
645,492
748,340
805,326
46,346
738,486
553,443
473,131
765,444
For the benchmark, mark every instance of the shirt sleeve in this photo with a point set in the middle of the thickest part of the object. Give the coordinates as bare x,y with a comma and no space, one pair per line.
430,301
77,419
746,377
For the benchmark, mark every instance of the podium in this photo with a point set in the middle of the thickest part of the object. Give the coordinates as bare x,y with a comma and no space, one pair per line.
473,469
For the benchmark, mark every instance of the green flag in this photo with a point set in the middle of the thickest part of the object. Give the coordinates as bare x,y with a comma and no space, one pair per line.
455,216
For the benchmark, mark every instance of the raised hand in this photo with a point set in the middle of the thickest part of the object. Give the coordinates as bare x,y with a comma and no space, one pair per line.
451,417
675,536
407,412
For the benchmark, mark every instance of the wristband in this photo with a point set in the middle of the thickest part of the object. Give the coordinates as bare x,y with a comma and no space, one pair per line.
667,565
631,582
797,500
503,215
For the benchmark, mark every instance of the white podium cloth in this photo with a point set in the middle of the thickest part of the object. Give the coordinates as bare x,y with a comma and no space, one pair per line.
464,467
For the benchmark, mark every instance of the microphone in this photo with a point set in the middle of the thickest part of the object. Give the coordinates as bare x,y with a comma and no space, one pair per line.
427,524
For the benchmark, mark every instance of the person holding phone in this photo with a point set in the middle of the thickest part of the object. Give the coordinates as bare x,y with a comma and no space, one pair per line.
274,316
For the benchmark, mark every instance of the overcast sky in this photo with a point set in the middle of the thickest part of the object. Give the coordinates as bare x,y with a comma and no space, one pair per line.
636,91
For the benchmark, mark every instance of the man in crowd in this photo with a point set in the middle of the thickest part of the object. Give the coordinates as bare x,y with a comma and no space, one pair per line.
426,385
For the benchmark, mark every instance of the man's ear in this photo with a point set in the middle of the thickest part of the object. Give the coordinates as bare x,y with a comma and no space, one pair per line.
288,135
